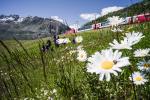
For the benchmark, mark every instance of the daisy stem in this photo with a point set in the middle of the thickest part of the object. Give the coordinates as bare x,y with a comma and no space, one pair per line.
113,35
133,86
117,35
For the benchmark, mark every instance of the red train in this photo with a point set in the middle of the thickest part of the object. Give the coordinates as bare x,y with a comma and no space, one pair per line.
139,18
127,20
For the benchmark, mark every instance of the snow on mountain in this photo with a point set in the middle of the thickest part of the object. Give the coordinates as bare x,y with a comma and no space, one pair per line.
7,18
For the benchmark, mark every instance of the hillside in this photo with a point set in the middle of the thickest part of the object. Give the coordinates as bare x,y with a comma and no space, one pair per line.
29,27
30,74
135,9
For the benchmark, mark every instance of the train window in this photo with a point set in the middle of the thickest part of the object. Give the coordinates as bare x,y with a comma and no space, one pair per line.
147,16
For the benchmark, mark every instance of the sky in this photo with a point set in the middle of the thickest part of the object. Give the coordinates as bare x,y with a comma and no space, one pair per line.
73,11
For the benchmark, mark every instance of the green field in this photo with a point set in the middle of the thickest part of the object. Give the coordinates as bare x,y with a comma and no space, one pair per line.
29,74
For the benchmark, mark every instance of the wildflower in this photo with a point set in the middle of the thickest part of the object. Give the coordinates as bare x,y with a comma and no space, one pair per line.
128,41
115,20
107,62
66,40
42,89
72,51
45,92
131,27
59,41
142,52
53,91
82,55
134,37
50,98
25,98
80,47
63,41
78,39
144,65
116,30
123,45
138,78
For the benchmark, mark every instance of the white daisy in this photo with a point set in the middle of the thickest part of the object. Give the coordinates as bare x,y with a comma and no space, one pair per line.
115,20
66,40
142,52
78,39
60,41
128,41
107,62
144,65
123,45
63,41
82,55
116,30
134,37
138,78
80,47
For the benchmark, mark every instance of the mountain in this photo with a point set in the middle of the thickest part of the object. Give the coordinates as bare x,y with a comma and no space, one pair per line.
29,27
135,9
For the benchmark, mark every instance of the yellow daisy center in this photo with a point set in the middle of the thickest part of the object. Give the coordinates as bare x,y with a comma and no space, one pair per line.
81,55
138,78
107,65
146,65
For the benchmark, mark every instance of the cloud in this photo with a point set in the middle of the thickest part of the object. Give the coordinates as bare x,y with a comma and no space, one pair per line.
75,26
104,11
57,18
89,16
107,10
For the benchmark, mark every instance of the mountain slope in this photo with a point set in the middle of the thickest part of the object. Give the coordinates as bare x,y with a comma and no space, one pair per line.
29,27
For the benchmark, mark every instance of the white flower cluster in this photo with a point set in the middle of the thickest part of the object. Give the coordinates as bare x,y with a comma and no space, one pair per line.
115,20
144,65
81,54
116,30
46,94
138,78
63,41
106,62
142,52
128,41
78,39
110,61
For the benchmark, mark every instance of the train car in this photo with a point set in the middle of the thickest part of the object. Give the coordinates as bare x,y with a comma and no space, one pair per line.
139,18
96,26
105,24
143,18
147,16
127,20
85,28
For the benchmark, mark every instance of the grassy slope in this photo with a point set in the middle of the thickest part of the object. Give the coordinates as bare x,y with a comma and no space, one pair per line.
63,71
135,9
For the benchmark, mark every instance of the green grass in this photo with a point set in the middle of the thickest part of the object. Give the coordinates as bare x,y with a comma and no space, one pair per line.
27,72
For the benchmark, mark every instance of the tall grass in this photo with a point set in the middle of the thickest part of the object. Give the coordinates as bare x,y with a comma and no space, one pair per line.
30,73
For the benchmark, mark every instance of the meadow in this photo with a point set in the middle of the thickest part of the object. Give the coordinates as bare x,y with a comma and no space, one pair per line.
27,73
